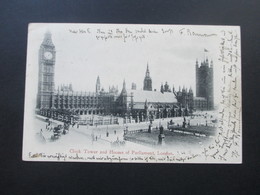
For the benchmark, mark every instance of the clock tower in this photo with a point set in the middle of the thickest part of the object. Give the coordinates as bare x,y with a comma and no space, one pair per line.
46,85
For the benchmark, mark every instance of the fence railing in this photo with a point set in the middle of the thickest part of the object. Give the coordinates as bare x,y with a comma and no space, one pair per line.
142,142
98,121
195,130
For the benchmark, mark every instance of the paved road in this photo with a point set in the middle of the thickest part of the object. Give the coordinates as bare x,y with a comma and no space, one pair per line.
72,138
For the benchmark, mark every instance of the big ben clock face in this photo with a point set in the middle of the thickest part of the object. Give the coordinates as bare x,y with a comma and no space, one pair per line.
48,55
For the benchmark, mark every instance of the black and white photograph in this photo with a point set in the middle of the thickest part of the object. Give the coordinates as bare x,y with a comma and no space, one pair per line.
130,93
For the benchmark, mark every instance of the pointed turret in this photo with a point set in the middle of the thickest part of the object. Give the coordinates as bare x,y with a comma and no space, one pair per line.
124,88
147,70
166,87
211,64
162,89
207,62
145,105
70,87
183,89
98,85
190,90
47,41
197,63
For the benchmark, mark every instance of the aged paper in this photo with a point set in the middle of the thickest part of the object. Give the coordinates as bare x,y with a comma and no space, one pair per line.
133,93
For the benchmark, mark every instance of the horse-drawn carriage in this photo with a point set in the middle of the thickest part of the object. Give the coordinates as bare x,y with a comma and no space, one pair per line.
59,130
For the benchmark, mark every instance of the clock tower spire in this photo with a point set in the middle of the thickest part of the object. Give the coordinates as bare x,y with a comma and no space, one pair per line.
46,87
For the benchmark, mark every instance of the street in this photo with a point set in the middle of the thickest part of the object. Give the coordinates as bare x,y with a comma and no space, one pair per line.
104,135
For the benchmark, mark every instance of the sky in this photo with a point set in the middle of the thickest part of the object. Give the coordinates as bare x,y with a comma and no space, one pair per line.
81,55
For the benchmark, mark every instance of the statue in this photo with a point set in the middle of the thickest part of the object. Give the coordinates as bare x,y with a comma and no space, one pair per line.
150,128
161,136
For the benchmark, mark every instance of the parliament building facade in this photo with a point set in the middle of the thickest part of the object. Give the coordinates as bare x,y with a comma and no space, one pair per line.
138,105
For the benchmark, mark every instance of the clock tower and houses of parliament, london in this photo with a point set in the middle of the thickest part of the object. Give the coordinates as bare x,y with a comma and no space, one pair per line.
63,103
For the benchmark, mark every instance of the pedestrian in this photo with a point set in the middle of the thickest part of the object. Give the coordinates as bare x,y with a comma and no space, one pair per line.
115,131
96,137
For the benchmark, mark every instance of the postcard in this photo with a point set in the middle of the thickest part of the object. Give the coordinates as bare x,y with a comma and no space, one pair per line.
133,93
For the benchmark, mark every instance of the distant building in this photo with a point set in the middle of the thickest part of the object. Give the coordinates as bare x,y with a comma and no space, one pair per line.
185,97
131,103
64,100
204,86
146,105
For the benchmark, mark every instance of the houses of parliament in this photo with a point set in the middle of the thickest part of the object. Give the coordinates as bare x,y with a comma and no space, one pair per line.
140,105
